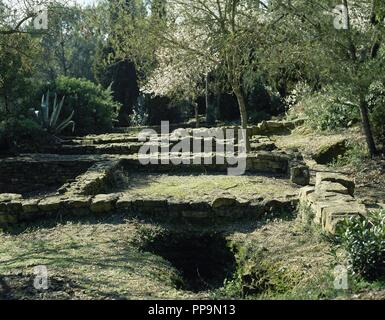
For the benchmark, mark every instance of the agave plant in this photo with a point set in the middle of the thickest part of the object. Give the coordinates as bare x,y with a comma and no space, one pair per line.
50,120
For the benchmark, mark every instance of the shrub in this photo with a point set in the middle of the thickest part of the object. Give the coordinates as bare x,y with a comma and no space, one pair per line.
262,103
294,109
364,241
160,109
325,114
376,103
93,106
355,155
48,116
17,131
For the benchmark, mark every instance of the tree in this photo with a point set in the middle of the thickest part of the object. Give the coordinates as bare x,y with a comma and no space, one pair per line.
69,45
17,15
119,72
17,54
177,76
214,34
20,51
347,46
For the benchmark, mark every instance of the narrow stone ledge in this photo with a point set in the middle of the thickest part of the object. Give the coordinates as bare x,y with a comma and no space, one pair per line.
30,206
51,204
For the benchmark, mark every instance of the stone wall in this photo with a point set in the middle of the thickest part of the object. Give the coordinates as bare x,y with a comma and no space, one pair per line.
26,174
14,209
97,179
330,201
265,162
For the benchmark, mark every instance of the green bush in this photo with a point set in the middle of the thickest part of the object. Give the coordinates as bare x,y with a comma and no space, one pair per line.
21,131
323,113
263,103
364,241
355,156
157,109
94,107
376,103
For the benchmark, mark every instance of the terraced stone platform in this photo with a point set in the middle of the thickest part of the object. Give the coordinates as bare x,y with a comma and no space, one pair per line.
112,185
108,177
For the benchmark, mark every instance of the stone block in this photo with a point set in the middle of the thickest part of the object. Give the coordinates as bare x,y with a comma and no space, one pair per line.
103,203
125,202
300,174
305,192
333,216
326,186
6,197
224,202
336,178
51,204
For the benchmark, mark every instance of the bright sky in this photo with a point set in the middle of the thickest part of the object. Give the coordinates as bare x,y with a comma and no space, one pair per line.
86,1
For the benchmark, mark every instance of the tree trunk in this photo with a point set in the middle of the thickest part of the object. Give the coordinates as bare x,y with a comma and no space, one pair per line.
367,128
207,98
243,112
196,109
6,104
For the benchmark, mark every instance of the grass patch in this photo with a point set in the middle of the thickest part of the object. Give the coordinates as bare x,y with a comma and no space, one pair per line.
205,187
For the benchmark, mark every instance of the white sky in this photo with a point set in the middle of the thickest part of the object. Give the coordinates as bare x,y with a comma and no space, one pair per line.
86,1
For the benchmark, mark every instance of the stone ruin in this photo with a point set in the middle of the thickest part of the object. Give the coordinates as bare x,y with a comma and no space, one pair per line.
77,179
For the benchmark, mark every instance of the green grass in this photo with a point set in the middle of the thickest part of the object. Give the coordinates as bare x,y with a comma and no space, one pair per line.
101,259
202,187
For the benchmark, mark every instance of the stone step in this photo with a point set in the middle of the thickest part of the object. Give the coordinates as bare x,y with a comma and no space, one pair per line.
133,148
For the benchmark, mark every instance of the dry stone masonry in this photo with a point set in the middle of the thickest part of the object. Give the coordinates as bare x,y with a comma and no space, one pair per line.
77,179
331,201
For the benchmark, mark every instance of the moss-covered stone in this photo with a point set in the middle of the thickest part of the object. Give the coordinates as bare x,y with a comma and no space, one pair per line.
330,152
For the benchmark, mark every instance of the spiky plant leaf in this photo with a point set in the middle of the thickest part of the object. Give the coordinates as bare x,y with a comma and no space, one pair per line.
56,112
64,123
